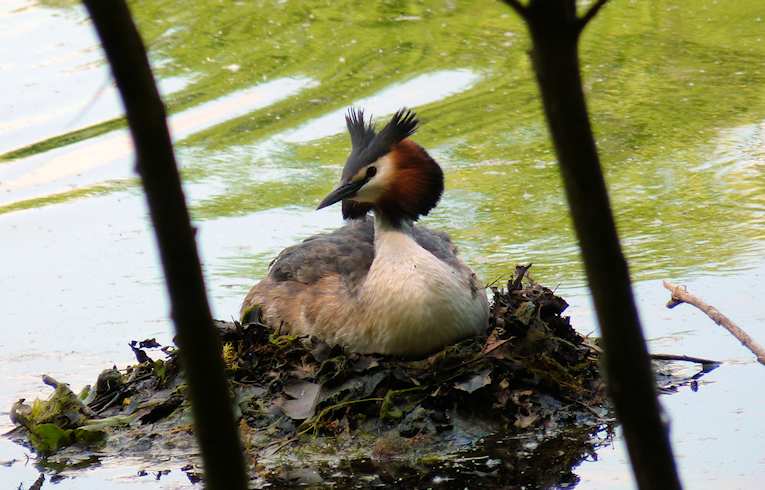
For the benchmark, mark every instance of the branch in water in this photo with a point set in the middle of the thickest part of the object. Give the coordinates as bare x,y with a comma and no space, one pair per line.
675,357
681,295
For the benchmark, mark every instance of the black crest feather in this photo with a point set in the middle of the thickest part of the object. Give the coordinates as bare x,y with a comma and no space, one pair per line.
362,131
367,145
402,125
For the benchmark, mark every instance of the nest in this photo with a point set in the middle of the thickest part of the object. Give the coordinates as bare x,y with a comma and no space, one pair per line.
532,378
531,356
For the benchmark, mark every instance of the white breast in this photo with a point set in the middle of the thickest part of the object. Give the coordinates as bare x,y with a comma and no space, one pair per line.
412,303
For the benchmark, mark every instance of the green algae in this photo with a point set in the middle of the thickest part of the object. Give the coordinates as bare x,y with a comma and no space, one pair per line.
64,139
57,422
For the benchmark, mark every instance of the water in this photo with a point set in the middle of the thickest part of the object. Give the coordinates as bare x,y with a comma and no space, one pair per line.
257,91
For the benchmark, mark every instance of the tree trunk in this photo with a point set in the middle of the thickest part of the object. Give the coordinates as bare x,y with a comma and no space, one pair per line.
555,30
199,344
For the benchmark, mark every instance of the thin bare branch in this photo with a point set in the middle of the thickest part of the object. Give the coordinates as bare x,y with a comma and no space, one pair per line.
591,13
518,7
683,358
681,295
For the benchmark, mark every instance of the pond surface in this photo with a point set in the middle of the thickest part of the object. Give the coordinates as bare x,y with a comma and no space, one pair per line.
257,91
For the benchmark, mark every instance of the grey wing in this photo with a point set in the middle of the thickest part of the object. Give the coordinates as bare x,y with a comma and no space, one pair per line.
438,243
347,251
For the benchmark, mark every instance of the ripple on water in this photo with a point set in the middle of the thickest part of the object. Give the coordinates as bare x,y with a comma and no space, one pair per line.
107,157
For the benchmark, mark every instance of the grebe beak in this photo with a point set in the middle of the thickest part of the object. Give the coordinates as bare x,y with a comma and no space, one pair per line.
343,191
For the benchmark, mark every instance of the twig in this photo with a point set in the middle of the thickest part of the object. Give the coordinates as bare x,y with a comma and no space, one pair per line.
109,403
518,7
681,295
486,352
123,391
314,421
674,357
478,357
520,273
492,283
591,13
284,444
37,485
598,416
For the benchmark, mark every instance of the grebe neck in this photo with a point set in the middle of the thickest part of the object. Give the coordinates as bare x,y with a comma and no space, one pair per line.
385,226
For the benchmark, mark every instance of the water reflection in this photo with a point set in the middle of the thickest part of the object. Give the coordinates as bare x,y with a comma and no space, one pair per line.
82,164
547,462
421,90
474,90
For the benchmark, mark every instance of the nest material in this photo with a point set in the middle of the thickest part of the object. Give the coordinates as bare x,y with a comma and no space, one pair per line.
299,397
531,352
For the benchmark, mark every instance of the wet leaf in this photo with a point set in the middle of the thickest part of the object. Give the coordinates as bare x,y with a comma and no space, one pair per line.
301,477
365,363
417,422
526,312
88,436
162,410
49,438
524,421
149,344
475,382
303,405
304,370
160,370
109,381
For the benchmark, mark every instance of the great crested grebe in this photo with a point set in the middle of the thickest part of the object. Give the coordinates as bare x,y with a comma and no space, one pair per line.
387,286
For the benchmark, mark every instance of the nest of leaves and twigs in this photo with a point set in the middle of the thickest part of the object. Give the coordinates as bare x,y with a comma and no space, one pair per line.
531,374
531,362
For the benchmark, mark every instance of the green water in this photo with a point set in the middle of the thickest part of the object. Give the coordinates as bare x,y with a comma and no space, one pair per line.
663,79
257,90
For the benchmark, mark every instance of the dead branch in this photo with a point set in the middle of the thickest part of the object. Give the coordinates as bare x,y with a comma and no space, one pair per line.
683,358
37,485
681,295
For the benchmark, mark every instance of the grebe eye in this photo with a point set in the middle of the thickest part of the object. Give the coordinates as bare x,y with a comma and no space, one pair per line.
371,172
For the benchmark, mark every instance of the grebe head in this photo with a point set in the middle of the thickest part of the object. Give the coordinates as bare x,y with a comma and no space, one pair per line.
387,172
